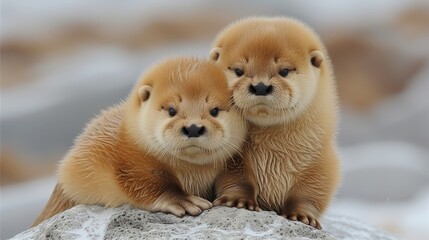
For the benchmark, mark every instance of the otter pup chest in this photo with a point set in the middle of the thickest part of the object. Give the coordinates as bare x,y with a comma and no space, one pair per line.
277,157
198,180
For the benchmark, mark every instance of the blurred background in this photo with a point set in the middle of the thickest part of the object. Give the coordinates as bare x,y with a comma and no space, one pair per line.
64,61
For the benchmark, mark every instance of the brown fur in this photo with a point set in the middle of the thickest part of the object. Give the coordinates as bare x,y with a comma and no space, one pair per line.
135,153
290,164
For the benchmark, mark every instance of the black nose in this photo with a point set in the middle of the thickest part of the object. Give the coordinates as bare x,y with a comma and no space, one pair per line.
260,89
193,131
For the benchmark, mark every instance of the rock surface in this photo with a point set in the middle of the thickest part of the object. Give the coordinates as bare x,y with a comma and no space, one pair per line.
95,222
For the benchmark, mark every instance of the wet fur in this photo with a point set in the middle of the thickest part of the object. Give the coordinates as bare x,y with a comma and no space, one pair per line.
120,157
290,163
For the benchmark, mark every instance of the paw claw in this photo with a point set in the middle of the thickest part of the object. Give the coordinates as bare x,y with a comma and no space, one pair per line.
240,204
292,217
318,226
313,222
230,204
219,202
236,202
307,219
304,220
180,205
202,203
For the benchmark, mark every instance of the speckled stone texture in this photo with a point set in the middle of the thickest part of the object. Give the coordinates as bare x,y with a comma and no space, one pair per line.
95,222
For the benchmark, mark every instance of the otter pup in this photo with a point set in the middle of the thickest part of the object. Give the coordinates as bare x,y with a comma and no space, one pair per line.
161,150
283,83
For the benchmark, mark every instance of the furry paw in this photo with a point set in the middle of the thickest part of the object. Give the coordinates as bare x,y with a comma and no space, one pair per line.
303,217
236,201
192,205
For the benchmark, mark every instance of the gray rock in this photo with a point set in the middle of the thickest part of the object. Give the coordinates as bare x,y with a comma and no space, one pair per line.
95,222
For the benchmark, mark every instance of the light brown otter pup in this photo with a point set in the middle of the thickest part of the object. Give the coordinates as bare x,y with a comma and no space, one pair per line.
283,83
161,150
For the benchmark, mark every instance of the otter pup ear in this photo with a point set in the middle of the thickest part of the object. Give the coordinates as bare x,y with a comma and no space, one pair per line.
316,58
144,92
215,53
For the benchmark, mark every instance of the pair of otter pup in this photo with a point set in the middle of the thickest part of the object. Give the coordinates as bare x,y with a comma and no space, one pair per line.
253,127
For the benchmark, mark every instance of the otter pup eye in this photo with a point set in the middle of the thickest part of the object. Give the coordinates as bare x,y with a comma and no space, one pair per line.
238,72
172,112
214,112
284,72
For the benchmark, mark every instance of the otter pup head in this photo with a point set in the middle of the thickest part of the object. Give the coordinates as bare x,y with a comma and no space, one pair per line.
182,108
273,65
